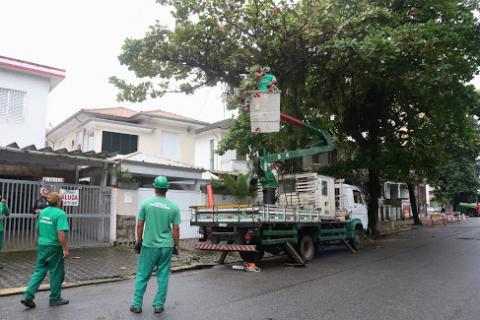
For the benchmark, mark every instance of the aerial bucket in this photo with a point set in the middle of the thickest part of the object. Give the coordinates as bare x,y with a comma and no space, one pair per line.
265,111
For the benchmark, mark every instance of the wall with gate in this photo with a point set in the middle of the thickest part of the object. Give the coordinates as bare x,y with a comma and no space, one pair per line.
89,221
184,199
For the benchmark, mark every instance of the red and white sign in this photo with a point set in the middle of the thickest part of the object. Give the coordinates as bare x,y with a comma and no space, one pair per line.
71,198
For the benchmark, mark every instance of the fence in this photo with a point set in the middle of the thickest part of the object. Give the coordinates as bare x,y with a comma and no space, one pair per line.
388,213
89,221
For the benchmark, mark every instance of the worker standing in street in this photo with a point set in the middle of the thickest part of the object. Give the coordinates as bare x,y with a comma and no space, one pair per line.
52,226
157,218
4,213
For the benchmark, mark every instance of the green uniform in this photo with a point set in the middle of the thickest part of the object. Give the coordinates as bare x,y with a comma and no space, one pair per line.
264,81
4,211
159,214
50,253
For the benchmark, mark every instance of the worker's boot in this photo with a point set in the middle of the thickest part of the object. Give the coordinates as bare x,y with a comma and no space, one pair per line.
158,309
28,303
60,302
136,309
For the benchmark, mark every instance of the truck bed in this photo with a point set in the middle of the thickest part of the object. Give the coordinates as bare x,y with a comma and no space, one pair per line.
253,214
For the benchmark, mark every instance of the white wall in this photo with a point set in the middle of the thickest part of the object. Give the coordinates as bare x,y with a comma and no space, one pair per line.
32,129
184,199
226,162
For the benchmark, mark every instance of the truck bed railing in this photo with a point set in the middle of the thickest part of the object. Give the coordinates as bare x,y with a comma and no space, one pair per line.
255,214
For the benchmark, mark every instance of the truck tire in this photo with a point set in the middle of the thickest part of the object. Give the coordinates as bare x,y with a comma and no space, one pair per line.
251,256
306,248
356,241
471,213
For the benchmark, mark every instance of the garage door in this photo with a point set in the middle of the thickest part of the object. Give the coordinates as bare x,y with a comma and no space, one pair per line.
184,199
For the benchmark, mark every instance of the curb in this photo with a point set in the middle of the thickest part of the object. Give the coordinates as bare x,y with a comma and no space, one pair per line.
81,283
391,232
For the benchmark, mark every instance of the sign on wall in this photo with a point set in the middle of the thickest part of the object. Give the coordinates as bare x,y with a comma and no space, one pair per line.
70,197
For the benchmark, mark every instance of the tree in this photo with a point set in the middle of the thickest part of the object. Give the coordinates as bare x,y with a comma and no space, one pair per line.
365,70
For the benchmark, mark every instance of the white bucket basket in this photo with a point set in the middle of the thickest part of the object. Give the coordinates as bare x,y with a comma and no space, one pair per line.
265,111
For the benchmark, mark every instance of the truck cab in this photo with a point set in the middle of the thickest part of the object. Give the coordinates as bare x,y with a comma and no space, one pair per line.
350,199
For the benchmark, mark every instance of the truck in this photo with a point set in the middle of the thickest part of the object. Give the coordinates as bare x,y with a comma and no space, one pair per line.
310,210
297,213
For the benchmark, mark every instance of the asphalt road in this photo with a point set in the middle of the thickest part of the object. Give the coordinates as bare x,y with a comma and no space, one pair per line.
429,273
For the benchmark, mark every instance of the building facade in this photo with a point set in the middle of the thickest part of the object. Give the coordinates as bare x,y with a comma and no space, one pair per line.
124,131
24,89
206,142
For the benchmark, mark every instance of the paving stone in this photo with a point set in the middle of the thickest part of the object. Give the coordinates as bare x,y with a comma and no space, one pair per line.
98,263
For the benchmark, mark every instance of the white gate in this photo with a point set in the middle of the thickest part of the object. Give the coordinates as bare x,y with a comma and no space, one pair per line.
184,199
89,221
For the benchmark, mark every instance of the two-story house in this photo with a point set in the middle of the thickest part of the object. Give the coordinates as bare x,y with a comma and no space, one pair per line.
124,131
24,89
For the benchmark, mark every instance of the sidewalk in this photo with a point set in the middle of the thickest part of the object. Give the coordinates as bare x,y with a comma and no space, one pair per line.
98,264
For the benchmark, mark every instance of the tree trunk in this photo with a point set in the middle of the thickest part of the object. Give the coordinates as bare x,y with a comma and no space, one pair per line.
413,204
374,194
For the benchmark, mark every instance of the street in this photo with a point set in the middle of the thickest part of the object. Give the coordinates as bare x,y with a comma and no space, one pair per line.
427,273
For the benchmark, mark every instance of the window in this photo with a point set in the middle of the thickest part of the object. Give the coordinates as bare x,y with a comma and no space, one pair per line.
212,154
324,188
11,105
79,141
171,146
91,140
357,197
119,142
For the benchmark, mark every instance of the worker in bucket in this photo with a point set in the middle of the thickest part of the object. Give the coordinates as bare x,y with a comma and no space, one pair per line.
266,80
158,235
52,226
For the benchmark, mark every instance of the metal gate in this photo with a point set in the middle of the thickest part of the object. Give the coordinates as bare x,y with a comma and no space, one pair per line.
89,221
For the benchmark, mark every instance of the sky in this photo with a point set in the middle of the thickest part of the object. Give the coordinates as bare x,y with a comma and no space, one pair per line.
85,38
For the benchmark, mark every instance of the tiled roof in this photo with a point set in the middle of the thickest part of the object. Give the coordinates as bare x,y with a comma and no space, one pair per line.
116,111
165,114
129,113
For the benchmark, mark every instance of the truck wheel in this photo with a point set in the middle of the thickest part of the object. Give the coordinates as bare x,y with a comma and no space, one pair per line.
356,241
251,256
306,248
471,213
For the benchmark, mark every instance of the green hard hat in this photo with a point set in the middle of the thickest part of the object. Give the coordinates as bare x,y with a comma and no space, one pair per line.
161,182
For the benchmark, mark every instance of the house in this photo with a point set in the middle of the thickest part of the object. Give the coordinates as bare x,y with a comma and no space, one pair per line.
206,142
24,89
124,131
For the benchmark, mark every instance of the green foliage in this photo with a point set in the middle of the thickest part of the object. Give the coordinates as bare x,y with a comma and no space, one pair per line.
125,176
388,76
239,187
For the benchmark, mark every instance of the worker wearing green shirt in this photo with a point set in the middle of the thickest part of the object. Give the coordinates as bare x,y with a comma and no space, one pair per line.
267,80
52,226
155,243
4,213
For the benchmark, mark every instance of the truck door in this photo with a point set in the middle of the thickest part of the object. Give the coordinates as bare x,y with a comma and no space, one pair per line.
359,208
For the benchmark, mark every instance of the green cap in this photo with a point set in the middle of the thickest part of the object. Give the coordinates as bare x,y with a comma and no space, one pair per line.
161,182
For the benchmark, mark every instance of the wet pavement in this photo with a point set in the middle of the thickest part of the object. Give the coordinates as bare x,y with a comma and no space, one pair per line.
427,273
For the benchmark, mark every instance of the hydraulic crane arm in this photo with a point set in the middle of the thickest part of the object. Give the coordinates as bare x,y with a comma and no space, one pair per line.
268,179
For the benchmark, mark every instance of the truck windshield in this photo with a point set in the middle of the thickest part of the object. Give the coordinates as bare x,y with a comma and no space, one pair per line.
357,197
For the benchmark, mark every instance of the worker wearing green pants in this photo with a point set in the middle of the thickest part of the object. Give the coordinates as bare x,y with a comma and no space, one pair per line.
52,226
4,213
158,235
